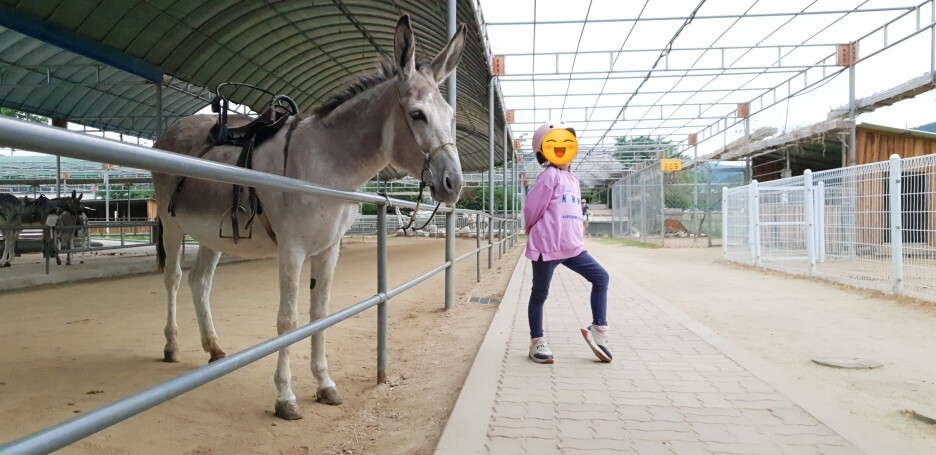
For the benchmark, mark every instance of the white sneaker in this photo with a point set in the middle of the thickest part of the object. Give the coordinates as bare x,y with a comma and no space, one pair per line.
598,342
540,352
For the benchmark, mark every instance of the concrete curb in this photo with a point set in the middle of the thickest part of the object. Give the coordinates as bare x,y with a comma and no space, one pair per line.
467,427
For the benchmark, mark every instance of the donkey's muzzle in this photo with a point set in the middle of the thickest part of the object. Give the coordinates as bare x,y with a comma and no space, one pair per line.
446,175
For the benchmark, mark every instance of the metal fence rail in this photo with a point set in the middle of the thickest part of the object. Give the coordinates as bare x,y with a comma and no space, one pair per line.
50,140
872,226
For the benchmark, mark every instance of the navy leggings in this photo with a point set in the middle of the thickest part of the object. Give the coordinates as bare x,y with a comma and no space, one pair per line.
584,265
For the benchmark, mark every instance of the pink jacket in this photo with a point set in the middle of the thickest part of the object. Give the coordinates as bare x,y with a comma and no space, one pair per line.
553,215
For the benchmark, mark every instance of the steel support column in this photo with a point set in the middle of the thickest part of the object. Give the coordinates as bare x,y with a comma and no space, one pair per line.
490,232
450,216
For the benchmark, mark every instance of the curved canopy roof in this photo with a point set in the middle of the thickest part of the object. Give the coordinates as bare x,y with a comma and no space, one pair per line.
96,63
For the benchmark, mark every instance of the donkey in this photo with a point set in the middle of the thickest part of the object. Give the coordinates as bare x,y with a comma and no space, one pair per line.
69,230
16,214
397,117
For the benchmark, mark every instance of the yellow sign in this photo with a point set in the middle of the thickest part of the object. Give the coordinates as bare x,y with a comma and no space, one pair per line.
671,164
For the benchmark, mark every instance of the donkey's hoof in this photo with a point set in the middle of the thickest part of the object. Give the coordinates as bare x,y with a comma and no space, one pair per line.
170,356
217,356
328,396
288,410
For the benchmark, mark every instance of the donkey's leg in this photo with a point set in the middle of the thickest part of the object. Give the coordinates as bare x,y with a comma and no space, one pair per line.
12,245
172,244
290,267
71,246
200,278
323,269
7,248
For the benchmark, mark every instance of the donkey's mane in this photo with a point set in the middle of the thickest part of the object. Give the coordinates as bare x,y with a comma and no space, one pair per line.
386,70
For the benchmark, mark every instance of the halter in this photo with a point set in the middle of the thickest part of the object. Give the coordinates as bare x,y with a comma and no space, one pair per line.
423,182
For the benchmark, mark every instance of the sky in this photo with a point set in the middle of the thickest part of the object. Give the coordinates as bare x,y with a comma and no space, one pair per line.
567,56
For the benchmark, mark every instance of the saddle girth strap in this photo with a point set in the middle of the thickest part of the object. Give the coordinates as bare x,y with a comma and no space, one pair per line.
267,226
245,160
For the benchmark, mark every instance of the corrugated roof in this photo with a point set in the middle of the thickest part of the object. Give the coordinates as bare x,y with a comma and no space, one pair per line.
306,50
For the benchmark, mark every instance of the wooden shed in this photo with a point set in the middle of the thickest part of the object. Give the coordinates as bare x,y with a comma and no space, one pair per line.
823,147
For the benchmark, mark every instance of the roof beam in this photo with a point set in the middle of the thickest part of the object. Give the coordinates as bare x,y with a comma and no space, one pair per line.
610,76
811,132
778,47
688,71
37,28
717,16
738,89
908,89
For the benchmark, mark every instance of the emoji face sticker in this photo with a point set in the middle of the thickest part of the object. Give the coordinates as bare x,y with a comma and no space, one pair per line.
560,146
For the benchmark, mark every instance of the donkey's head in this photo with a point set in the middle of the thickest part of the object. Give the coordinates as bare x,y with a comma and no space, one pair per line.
425,116
70,204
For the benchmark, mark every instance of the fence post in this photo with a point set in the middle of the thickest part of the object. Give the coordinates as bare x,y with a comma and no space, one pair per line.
662,207
500,239
896,232
478,246
754,222
490,238
382,288
810,228
724,221
820,220
450,257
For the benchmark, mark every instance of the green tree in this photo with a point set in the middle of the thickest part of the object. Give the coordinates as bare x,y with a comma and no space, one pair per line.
7,112
476,198
633,150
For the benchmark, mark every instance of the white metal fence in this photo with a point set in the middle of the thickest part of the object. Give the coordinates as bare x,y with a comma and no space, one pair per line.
871,226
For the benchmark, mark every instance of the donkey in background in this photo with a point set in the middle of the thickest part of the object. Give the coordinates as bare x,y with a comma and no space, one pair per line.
71,230
16,214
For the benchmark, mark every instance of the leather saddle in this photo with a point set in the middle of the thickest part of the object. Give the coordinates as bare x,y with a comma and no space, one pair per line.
248,137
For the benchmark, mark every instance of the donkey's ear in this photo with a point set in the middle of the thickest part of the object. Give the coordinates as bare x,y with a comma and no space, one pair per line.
404,47
82,194
444,63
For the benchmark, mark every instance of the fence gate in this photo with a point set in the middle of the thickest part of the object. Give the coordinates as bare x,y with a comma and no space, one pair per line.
787,222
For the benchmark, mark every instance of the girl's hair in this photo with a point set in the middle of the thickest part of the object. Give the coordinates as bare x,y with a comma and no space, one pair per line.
539,153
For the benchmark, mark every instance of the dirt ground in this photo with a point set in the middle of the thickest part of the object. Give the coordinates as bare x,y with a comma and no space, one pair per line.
69,349
788,321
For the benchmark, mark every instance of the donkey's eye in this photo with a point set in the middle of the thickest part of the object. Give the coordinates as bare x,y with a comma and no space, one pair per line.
418,115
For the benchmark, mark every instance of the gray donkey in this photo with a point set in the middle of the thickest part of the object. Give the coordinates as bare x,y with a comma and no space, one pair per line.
397,116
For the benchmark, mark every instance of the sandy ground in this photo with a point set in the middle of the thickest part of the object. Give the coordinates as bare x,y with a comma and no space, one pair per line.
69,349
787,321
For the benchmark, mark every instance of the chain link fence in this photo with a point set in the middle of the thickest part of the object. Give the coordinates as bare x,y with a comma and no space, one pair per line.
870,226
673,209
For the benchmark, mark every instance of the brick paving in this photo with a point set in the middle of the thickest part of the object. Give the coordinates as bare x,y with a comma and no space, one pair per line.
667,391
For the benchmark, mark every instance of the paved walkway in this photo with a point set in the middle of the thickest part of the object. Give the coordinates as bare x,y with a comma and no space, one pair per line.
674,386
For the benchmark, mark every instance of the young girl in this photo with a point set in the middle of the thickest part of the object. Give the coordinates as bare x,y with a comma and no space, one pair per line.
553,216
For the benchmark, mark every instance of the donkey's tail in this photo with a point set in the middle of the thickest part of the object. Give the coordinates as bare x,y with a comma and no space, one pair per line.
160,247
